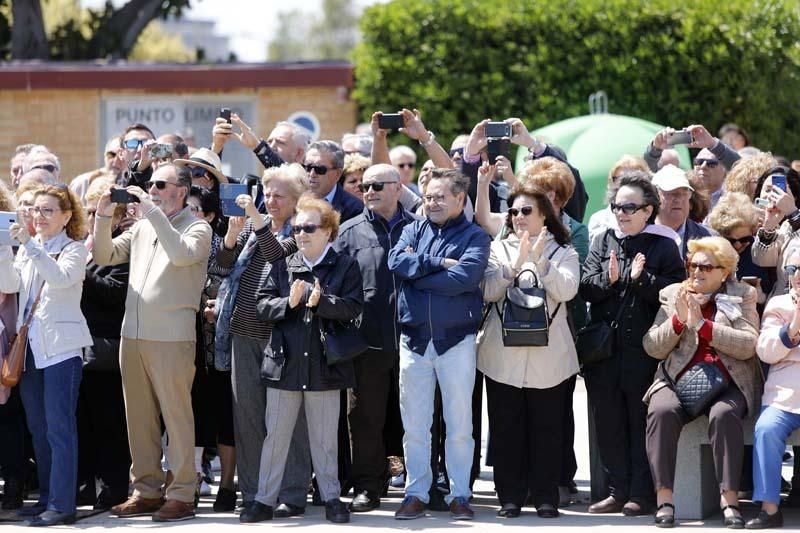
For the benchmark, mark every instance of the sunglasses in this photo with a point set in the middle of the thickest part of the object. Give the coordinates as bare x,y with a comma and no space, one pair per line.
459,151
525,210
628,209
318,169
691,266
376,186
406,165
710,163
744,241
160,184
307,228
49,168
133,144
791,270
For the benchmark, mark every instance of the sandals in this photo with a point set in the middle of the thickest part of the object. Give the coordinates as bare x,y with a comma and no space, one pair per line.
665,520
732,522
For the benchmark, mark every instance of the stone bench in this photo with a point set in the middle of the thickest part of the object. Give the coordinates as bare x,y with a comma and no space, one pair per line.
696,490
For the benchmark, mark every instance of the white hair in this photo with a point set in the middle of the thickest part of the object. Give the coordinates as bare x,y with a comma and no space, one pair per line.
300,134
399,151
35,153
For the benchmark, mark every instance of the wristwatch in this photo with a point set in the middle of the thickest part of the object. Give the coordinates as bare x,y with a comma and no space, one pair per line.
431,138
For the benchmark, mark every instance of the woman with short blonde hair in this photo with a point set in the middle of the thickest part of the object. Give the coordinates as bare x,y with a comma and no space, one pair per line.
743,176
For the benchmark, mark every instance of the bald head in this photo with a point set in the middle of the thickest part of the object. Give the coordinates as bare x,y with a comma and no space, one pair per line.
39,176
383,202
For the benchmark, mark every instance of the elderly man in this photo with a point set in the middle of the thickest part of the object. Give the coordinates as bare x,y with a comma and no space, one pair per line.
18,163
168,251
38,175
286,143
404,159
324,163
441,261
675,192
113,165
357,143
368,239
41,158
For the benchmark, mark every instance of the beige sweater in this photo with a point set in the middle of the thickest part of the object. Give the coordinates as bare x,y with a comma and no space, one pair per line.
168,259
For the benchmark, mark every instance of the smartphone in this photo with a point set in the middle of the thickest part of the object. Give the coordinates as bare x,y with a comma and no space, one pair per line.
225,113
761,202
498,146
6,219
160,151
121,196
679,137
755,281
494,130
779,181
391,121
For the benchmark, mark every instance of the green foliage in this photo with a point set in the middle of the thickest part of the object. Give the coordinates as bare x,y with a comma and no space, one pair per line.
330,34
674,62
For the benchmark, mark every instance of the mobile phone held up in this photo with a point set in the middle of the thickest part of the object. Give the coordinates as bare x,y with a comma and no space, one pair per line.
779,181
225,113
679,137
496,130
121,196
390,121
160,151
496,147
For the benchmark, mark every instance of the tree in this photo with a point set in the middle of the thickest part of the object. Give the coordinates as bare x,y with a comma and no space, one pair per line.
331,34
675,62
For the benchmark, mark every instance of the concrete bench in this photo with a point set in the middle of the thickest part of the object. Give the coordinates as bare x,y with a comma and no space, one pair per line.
696,490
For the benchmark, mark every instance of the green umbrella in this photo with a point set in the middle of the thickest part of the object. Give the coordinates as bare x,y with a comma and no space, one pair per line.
593,143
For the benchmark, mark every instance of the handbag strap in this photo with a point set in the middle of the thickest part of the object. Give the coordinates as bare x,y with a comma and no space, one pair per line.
27,322
535,277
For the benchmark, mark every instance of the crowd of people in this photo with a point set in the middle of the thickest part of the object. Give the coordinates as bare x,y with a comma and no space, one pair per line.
333,329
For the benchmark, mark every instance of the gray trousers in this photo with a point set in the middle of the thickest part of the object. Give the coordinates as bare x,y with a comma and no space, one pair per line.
249,406
322,417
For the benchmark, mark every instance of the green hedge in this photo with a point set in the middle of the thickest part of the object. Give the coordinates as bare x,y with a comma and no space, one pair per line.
673,62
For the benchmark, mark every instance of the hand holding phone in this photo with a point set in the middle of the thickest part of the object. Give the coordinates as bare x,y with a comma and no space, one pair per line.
225,113
391,121
497,130
679,137
498,147
121,196
779,181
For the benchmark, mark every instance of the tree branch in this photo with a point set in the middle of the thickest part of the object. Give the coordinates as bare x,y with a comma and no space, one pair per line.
28,39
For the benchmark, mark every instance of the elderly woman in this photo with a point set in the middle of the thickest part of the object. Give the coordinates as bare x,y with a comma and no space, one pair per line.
250,245
744,174
626,268
50,287
779,346
354,167
710,318
527,386
303,295
603,219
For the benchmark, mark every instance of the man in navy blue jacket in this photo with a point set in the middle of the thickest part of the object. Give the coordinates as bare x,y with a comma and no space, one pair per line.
441,261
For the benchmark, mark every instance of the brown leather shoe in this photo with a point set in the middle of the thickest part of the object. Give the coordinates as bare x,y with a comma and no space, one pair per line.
137,506
411,508
609,505
460,509
174,511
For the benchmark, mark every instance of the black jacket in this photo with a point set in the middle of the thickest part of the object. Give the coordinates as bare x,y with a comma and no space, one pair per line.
630,366
346,204
693,231
305,368
367,239
103,299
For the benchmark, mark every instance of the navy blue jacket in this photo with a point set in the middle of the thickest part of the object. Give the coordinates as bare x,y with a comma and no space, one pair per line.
346,204
437,303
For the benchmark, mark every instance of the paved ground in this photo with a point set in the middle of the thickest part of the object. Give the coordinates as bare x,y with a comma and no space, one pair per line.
573,518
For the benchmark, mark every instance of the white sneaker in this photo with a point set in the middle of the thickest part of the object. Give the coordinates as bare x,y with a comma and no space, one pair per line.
205,490
398,481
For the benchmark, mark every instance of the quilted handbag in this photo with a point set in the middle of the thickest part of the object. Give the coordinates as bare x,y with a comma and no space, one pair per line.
698,387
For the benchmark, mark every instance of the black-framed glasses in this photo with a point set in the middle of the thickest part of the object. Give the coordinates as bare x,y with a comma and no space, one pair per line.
406,165
198,172
160,184
744,241
318,169
48,167
691,266
628,209
306,228
133,144
710,163
791,270
525,210
376,186
454,151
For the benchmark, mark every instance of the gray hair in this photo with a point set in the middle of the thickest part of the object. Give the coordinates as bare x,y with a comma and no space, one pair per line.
458,182
300,134
293,175
402,150
363,142
330,147
37,151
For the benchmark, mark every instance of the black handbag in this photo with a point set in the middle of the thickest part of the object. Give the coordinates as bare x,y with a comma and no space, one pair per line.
698,387
274,357
342,340
595,341
525,320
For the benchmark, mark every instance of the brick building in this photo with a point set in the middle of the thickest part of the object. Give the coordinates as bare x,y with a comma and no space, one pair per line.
73,108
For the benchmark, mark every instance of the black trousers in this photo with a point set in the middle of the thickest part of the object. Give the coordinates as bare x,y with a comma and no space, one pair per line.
569,463
620,417
103,451
377,379
527,441
13,429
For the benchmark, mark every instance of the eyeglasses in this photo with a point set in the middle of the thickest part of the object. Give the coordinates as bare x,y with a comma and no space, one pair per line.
133,144
628,209
376,186
160,184
791,270
459,151
307,228
406,165
198,172
691,266
318,169
46,212
525,210
434,199
49,168
710,163
744,241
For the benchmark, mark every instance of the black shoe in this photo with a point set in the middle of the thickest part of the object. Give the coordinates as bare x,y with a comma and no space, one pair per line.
573,487
765,520
509,510
32,510
316,498
363,502
287,510
547,510
336,511
436,501
257,512
345,489
637,508
51,518
226,500
12,494
735,521
109,497
665,520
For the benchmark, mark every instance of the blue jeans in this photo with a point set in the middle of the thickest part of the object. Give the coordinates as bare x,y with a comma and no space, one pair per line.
769,442
455,372
50,397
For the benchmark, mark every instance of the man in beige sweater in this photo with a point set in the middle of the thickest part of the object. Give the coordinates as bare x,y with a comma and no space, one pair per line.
168,253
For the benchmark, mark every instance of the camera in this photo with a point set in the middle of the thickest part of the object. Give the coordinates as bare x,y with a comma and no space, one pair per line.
679,137
497,129
160,151
391,121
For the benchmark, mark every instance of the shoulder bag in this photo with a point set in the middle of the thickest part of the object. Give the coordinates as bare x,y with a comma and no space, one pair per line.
595,341
14,360
698,387
342,340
